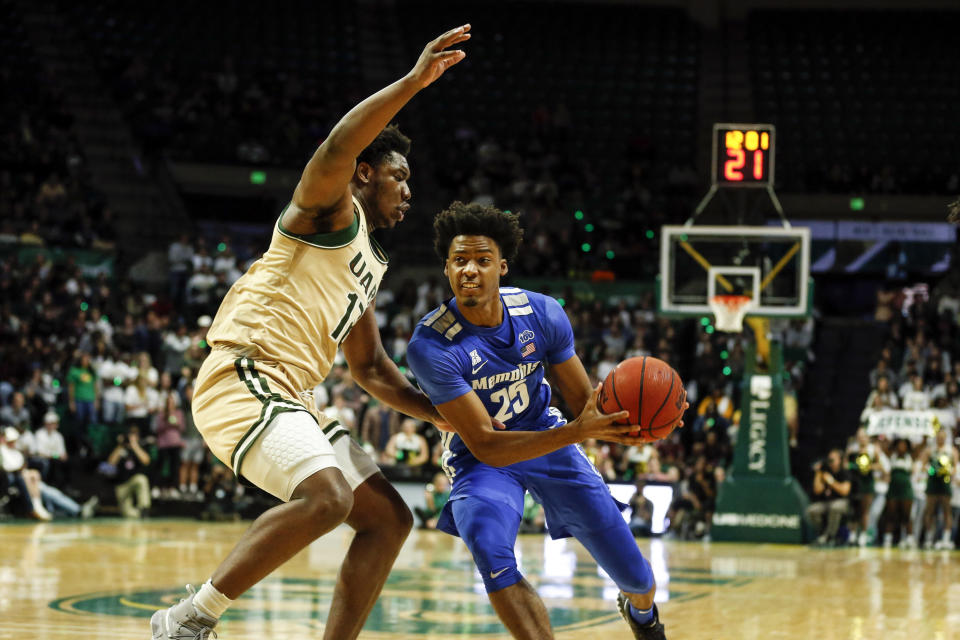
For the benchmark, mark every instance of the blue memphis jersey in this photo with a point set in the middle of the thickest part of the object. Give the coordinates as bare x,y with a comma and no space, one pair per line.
503,365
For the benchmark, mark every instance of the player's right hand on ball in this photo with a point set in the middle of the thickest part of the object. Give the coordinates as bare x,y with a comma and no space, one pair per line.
435,59
595,424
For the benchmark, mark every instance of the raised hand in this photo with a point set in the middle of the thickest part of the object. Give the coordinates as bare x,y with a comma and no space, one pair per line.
435,59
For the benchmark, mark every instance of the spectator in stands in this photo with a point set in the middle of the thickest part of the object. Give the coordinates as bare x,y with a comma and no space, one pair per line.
599,455
180,261
82,390
709,415
831,486
18,475
717,400
194,449
941,389
127,467
141,399
704,488
882,370
168,425
42,500
51,450
407,448
175,345
435,496
113,372
888,399
611,358
27,445
16,413
200,296
39,395
916,398
341,412
380,423
165,389
641,512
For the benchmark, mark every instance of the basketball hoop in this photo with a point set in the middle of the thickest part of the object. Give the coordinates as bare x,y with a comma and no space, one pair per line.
729,310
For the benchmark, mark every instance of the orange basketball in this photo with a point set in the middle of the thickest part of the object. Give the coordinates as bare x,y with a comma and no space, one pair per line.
650,390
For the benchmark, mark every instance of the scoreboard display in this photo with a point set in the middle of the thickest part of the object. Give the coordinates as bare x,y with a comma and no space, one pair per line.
743,155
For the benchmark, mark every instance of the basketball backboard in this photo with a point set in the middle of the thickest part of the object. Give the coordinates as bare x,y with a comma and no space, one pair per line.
771,265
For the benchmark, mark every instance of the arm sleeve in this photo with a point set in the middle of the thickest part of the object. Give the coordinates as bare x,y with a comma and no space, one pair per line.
559,332
437,370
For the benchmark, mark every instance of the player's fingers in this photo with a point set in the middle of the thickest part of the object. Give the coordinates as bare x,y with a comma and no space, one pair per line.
596,391
451,37
497,424
450,58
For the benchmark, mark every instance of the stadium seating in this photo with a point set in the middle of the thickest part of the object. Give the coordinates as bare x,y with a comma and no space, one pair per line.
864,101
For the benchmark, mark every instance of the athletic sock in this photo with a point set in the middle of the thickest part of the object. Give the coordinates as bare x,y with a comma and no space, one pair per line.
209,601
643,617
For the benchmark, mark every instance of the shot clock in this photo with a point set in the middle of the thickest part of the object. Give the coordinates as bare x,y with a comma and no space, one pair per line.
743,155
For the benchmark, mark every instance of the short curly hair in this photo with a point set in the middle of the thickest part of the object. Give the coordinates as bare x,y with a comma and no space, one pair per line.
386,142
461,219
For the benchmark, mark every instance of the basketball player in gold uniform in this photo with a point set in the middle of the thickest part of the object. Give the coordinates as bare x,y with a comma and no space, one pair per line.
276,335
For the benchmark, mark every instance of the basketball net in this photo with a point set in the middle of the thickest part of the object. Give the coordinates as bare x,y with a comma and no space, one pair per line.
729,311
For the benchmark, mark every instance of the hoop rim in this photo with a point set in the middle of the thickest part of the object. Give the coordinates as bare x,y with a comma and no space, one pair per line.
732,300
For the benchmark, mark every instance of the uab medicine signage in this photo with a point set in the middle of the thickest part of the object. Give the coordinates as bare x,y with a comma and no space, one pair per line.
759,500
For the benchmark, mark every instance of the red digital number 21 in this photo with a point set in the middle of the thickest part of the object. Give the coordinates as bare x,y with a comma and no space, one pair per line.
731,168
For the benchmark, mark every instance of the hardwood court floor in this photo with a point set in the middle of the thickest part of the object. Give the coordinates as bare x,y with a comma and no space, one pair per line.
103,579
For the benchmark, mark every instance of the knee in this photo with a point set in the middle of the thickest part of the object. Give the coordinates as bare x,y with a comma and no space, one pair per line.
320,510
403,520
394,523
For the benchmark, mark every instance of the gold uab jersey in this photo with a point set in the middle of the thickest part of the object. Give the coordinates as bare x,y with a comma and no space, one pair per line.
297,303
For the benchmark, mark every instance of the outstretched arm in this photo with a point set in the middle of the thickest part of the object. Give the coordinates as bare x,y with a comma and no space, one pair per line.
373,370
324,183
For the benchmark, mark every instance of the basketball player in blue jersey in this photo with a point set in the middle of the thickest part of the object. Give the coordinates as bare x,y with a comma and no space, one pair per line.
481,358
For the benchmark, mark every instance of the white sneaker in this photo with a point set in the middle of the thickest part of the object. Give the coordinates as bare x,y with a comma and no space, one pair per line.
41,513
911,542
945,544
888,541
862,539
182,621
88,508
928,542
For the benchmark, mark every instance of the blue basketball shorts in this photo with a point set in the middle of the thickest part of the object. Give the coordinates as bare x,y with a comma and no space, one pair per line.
486,505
